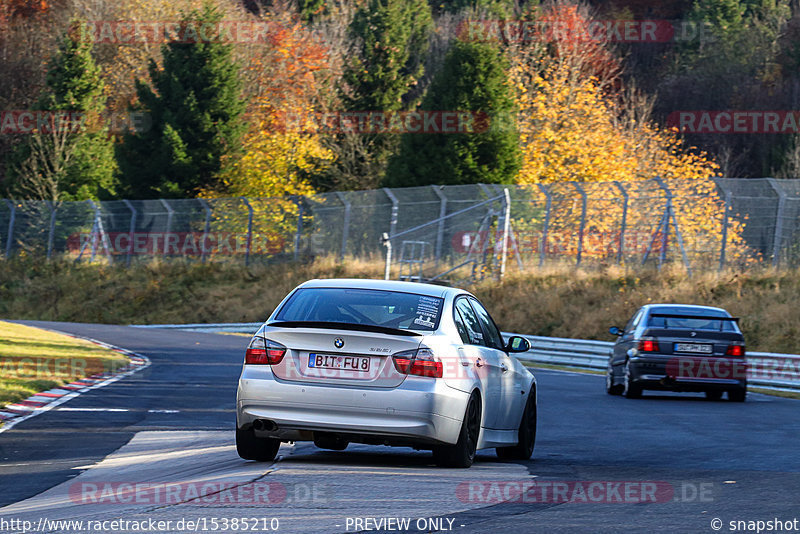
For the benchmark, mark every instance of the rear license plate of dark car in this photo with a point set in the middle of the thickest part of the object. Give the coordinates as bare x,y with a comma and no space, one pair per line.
335,361
695,348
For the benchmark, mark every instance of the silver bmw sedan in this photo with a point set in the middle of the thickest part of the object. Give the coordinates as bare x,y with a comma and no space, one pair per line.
385,363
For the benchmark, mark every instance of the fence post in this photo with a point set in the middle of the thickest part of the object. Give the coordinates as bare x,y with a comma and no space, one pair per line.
10,237
169,224
669,214
724,244
777,238
131,231
506,223
624,222
299,231
52,229
97,228
249,231
548,204
345,223
440,230
206,228
583,222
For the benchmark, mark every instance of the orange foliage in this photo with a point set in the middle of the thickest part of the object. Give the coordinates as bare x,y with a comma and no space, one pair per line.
565,29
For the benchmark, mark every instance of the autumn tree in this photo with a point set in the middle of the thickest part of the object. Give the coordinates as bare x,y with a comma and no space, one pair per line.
473,81
287,75
70,156
382,74
577,124
195,109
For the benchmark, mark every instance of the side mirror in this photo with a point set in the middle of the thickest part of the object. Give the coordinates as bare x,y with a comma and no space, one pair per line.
518,344
615,331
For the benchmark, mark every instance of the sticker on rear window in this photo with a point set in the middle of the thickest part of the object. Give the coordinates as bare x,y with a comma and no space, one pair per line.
427,311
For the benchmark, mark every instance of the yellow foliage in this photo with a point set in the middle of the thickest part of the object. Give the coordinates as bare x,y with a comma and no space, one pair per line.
571,131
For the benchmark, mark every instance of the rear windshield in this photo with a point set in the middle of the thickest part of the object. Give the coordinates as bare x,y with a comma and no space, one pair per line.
406,311
693,319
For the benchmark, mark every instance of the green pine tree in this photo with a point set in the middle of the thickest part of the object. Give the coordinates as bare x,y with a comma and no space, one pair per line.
71,160
473,79
195,109
393,37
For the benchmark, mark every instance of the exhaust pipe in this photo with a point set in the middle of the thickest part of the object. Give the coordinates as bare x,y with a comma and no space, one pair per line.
264,424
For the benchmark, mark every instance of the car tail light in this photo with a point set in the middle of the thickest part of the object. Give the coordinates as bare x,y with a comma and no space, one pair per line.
419,362
735,350
648,345
262,351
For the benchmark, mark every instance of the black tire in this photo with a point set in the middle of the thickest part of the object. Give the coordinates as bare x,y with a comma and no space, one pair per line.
611,387
629,389
251,447
713,395
462,454
737,395
527,434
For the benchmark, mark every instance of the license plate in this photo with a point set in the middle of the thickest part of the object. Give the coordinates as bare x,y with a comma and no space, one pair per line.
335,361
698,348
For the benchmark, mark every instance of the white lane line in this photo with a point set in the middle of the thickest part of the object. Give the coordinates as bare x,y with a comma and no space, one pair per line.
65,409
92,410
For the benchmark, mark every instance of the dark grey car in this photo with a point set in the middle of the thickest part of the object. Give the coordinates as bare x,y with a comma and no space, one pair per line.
677,347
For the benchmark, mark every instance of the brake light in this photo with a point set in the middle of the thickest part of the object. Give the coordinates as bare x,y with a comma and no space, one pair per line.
735,350
264,352
420,362
648,345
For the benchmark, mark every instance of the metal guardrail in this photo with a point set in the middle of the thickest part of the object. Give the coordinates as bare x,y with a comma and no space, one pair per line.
765,369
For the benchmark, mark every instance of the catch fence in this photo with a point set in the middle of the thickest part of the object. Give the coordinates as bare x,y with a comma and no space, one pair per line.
434,232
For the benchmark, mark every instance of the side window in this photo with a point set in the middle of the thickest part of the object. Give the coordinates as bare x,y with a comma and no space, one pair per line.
634,322
462,329
494,339
470,322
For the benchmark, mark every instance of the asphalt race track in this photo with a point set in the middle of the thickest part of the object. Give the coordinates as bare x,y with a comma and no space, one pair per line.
686,460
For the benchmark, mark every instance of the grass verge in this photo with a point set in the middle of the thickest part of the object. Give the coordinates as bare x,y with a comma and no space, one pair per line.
33,360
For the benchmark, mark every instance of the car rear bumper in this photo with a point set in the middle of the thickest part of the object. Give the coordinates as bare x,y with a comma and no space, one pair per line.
420,410
662,372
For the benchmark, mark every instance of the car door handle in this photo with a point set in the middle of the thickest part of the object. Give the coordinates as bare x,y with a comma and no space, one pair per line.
503,367
479,363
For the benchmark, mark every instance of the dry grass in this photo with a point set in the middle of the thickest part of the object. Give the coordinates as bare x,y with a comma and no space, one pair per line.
555,301
583,304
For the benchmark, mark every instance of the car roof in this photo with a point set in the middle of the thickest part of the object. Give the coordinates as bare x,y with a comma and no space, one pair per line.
687,307
418,288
